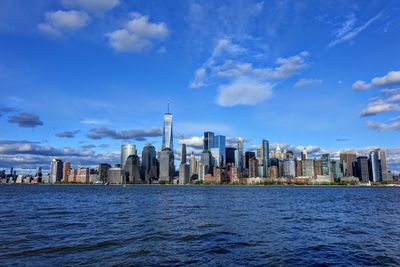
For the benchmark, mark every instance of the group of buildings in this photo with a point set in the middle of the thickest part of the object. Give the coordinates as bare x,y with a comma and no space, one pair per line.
218,163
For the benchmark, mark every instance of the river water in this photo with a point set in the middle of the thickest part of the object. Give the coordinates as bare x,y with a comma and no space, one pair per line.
150,225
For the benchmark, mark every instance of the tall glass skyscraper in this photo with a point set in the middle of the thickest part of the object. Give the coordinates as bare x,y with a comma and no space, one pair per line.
126,151
375,169
220,145
167,141
265,157
208,141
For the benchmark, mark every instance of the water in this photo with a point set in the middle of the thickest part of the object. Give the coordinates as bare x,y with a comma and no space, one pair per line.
199,226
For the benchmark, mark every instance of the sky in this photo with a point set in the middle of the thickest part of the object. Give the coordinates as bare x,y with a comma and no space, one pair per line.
78,78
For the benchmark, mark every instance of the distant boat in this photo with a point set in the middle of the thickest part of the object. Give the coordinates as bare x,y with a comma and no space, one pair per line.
106,183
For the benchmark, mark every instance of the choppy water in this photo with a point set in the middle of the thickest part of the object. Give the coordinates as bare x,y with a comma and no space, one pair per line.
199,225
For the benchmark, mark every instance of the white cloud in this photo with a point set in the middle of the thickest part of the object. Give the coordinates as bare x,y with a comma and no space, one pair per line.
395,126
348,32
291,65
199,78
243,91
224,63
59,22
392,94
226,46
392,78
138,34
96,7
307,82
377,107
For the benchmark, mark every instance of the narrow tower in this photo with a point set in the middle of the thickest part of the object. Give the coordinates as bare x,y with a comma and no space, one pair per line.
167,141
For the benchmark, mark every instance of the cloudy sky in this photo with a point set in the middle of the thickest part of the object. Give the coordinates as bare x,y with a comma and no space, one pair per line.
78,78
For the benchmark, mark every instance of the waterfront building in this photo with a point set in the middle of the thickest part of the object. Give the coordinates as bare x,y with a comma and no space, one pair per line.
206,161
126,151
253,167
375,169
66,168
248,155
289,168
56,171
326,164
230,155
167,141
202,171
184,174
318,167
299,168
307,168
167,167
336,171
148,161
114,175
208,140
82,175
347,158
382,158
362,169
273,172
265,157
72,175
103,172
132,170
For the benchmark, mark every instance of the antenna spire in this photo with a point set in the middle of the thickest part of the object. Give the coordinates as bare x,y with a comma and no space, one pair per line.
168,106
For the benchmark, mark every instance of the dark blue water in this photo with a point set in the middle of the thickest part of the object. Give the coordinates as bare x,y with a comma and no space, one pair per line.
199,225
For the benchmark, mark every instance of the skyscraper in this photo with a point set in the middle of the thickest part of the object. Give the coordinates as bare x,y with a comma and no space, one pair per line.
248,156
289,168
206,161
132,170
220,145
230,155
208,140
253,167
326,165
56,170
347,158
148,158
239,155
375,169
278,154
193,165
362,169
103,172
382,158
67,166
265,157
183,154
167,167
126,151
167,141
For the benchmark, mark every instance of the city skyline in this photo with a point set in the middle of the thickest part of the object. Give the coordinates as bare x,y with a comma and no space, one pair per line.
76,84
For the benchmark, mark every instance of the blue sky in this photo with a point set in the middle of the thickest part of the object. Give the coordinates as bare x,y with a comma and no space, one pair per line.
78,78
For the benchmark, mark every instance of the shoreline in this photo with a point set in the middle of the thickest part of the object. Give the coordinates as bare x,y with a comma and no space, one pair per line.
395,184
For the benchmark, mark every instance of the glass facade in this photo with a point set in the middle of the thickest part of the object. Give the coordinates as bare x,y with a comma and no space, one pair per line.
126,151
167,141
265,157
